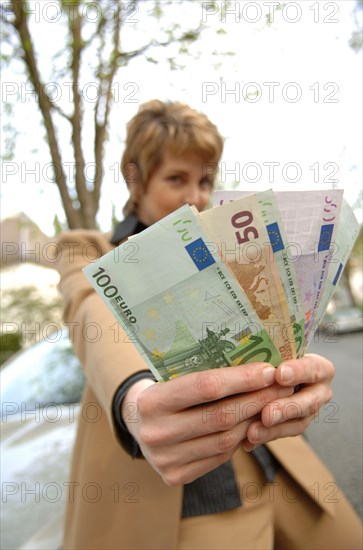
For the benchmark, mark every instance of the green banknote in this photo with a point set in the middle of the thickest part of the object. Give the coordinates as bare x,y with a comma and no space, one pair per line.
181,306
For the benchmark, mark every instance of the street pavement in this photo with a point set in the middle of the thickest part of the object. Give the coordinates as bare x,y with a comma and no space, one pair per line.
336,434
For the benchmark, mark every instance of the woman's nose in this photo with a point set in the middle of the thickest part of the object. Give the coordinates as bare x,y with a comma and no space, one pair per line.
193,195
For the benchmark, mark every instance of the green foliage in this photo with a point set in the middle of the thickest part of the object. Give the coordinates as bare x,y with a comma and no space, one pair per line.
157,11
357,251
30,314
58,227
356,39
113,216
10,344
10,132
269,19
353,267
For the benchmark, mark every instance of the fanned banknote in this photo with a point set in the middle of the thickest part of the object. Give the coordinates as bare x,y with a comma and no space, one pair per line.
347,232
246,245
279,242
178,300
286,268
310,219
311,228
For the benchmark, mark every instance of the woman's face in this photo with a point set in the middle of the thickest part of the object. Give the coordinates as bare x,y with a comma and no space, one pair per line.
177,181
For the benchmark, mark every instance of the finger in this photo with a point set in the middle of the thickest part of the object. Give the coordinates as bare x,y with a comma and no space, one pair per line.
194,470
248,446
309,369
304,403
229,412
201,448
202,387
258,434
210,418
189,460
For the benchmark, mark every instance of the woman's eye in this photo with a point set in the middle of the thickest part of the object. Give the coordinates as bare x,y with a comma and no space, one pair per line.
175,179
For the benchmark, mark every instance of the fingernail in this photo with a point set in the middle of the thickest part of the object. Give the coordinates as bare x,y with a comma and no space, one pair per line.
285,391
260,433
287,373
269,375
276,416
250,449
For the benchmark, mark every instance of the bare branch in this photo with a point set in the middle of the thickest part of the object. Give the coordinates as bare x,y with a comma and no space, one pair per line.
20,24
58,109
103,39
75,27
106,80
188,36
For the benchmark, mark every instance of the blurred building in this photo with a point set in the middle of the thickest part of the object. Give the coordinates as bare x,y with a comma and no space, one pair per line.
27,255
27,272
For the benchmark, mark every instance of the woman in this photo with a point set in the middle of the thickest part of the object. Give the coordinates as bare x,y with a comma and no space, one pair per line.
184,464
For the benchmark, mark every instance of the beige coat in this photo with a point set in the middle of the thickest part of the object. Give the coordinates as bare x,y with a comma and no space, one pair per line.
115,501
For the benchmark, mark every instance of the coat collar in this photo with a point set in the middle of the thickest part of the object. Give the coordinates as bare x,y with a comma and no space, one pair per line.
129,226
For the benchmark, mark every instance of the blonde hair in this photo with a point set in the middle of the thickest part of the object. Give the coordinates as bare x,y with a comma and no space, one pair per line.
160,126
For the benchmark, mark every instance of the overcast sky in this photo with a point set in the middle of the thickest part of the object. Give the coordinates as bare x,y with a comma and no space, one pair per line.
288,104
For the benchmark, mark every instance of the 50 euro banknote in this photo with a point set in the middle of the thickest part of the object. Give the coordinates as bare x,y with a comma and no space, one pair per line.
271,216
310,220
249,250
179,302
286,268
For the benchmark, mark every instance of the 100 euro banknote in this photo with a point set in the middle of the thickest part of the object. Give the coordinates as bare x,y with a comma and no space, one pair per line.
179,301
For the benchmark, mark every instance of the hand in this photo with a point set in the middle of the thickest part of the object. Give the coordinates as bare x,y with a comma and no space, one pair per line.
188,426
292,415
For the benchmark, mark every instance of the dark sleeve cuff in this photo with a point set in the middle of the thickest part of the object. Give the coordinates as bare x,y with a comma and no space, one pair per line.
126,440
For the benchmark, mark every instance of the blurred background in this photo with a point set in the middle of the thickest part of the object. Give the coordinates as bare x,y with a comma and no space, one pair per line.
283,83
